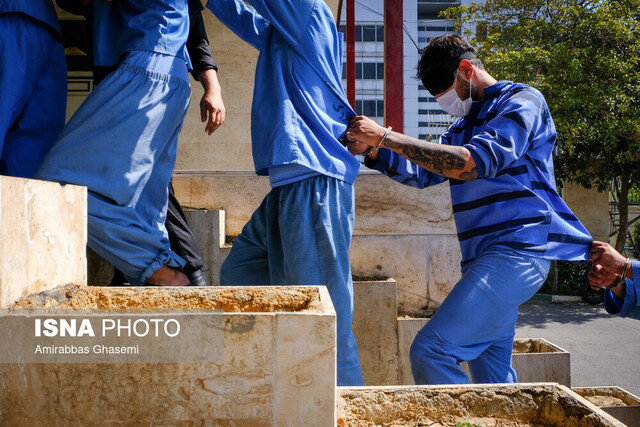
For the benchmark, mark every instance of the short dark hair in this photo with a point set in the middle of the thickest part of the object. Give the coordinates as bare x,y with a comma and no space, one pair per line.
440,59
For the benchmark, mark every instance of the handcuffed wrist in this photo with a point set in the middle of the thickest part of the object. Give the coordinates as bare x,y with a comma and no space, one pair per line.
625,268
377,147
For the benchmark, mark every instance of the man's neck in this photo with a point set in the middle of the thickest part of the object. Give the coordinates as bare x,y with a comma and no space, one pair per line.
484,80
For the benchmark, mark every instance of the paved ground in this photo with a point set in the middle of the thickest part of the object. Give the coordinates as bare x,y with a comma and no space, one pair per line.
604,349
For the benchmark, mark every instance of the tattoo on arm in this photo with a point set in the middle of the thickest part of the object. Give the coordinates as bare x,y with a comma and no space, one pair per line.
446,160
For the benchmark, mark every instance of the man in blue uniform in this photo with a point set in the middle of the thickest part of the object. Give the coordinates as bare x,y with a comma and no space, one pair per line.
33,84
301,233
510,220
122,141
212,111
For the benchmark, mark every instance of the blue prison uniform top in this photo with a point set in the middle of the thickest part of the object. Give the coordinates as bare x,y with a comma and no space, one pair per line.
150,25
42,10
513,203
631,302
300,110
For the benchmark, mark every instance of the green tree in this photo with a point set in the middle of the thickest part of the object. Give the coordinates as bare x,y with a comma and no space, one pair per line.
584,57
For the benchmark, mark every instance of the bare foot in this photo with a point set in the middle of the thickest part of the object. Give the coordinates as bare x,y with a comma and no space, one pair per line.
168,276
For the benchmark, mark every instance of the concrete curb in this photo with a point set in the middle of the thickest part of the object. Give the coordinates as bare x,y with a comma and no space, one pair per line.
565,298
556,298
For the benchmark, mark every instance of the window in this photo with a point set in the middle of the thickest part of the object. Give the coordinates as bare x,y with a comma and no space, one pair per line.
368,70
369,33
427,112
438,28
366,33
370,107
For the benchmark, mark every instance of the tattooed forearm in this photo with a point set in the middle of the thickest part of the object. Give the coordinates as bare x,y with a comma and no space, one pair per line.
469,176
450,161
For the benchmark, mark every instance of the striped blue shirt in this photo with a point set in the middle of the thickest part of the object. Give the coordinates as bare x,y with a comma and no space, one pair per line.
513,203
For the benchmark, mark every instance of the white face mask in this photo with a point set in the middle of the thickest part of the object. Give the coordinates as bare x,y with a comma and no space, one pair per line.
452,104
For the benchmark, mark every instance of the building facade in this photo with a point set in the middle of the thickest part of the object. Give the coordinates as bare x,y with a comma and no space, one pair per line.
423,118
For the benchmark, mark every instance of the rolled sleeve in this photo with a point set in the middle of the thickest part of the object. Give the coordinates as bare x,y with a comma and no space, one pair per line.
402,170
630,303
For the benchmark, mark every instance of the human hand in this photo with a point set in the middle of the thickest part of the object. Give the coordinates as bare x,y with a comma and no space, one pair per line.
212,109
356,147
600,278
364,131
607,257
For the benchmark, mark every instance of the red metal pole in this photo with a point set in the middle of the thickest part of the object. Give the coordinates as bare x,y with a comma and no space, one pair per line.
393,65
351,53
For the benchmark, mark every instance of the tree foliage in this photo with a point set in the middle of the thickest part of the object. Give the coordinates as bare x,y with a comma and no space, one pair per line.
584,57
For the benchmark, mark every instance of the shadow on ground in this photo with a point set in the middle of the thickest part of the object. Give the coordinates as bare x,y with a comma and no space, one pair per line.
536,313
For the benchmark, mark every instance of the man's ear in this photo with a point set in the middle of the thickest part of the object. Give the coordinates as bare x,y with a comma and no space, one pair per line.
466,69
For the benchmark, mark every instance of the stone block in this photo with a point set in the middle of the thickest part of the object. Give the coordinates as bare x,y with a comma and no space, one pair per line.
43,235
99,270
407,330
238,194
444,267
385,207
545,404
375,329
402,257
274,362
538,360
208,226
624,406
305,377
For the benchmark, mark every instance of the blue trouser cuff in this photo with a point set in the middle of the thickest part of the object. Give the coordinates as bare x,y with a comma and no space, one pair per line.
168,258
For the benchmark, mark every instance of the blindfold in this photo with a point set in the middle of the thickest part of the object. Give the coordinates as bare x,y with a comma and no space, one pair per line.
439,78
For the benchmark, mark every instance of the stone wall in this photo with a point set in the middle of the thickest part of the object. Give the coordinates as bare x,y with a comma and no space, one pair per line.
229,148
400,232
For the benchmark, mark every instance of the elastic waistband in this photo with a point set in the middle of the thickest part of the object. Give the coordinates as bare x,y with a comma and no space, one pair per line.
157,66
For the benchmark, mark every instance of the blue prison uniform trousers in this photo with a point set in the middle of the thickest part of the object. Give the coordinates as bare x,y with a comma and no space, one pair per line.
33,84
476,322
300,235
122,145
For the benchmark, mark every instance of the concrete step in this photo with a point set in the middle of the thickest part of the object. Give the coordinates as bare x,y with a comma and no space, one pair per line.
43,233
